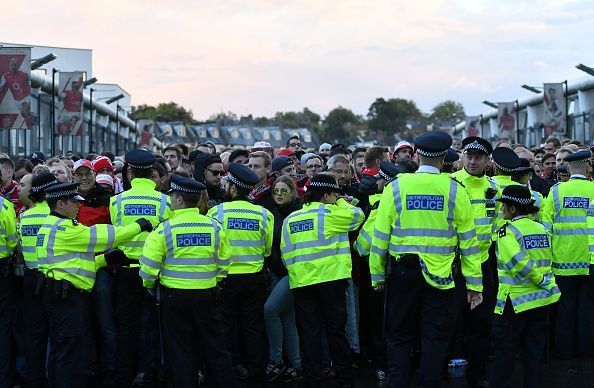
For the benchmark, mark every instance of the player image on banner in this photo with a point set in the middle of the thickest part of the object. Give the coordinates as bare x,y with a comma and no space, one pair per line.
146,128
473,126
69,118
554,109
506,126
15,88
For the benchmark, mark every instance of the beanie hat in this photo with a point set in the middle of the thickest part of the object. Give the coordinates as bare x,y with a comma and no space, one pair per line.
102,162
201,161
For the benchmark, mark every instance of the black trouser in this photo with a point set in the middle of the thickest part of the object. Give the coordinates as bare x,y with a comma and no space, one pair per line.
318,305
526,332
413,305
574,328
70,333
242,312
191,322
35,323
130,305
7,317
474,326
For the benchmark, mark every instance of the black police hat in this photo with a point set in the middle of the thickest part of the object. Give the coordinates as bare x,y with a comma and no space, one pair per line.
516,195
63,190
525,166
42,181
242,176
505,159
186,185
451,156
323,182
140,158
433,144
388,170
577,157
280,162
475,143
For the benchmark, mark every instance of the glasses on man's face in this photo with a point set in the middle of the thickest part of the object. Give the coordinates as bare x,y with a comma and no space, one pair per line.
281,192
216,172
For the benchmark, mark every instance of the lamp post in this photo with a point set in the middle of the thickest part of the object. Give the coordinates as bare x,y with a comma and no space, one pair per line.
53,113
112,100
37,63
532,89
585,69
491,104
90,130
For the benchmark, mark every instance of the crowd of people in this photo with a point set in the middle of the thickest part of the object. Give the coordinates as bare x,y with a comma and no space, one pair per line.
245,266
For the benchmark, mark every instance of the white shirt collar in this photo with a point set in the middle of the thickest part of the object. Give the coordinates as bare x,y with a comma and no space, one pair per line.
519,217
429,169
580,176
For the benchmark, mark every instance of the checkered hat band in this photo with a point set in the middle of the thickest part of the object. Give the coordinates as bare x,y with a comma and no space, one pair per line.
176,187
584,160
521,201
325,185
431,154
475,145
384,175
43,186
448,163
61,194
141,167
505,168
238,182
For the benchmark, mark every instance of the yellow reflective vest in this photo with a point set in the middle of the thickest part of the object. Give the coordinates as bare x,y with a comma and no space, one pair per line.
564,214
430,215
524,266
29,224
141,201
188,251
363,243
315,243
66,249
250,230
483,209
8,235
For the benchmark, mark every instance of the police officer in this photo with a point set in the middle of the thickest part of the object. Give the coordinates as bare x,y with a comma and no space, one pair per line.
522,175
250,231
564,214
66,256
33,313
526,289
188,255
132,301
8,243
421,220
505,163
315,249
449,160
475,325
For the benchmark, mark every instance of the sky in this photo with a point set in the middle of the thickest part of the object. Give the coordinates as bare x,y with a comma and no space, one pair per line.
265,56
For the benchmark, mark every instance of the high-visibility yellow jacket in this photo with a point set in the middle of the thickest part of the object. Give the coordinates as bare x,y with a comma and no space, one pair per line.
8,235
363,243
483,209
141,201
29,224
250,231
315,243
188,251
590,225
427,214
564,214
538,201
524,266
66,249
502,182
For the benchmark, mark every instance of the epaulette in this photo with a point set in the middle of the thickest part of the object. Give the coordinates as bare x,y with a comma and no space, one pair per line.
503,230
490,193
460,183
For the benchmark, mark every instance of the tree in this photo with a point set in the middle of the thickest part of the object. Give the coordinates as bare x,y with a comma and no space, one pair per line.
304,119
338,124
389,116
448,111
169,111
223,118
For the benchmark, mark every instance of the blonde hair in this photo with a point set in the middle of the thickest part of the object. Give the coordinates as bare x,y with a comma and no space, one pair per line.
264,155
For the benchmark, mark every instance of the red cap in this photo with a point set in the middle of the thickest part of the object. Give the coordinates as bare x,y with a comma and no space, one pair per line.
286,152
102,162
82,163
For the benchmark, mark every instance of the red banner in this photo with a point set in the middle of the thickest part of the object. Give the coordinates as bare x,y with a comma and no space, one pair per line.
15,88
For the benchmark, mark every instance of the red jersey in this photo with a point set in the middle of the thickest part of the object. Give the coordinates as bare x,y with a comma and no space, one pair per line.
11,192
72,101
18,84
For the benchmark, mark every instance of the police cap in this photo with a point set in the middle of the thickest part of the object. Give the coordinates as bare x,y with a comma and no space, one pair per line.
242,176
186,185
517,195
505,159
451,156
577,157
324,182
280,162
140,158
63,191
42,181
477,144
525,166
388,170
433,144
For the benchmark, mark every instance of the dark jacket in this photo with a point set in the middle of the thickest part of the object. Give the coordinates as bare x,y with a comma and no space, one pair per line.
274,262
540,185
95,208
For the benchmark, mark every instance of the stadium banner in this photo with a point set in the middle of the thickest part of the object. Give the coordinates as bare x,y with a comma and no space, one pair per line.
69,115
472,126
15,88
555,116
506,120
